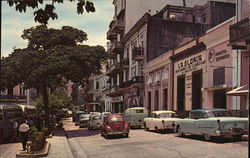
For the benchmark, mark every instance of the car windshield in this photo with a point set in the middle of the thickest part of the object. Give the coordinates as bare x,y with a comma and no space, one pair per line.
167,115
116,119
84,116
219,114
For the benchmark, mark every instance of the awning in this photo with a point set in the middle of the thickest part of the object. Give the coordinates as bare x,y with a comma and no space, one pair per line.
243,90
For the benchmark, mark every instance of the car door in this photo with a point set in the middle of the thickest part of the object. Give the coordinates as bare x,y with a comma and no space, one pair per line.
150,120
189,125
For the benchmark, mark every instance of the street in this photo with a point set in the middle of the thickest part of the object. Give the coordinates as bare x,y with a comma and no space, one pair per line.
145,144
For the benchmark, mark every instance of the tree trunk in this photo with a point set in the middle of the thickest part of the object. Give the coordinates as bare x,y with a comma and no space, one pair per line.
46,104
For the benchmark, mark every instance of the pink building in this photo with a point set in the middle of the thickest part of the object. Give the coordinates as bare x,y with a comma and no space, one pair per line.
158,83
202,71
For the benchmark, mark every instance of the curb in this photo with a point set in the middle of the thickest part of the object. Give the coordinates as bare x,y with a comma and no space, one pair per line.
23,154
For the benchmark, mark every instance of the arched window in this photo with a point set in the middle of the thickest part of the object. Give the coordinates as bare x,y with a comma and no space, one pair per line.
165,75
156,78
149,80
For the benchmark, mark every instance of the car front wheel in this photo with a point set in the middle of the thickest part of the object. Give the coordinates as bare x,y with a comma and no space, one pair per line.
180,133
207,137
145,126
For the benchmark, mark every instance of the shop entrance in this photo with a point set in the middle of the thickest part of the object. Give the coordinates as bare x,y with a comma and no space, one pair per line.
181,93
196,90
220,99
149,101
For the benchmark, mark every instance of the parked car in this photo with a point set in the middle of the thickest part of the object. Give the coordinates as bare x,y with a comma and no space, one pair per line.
134,116
161,120
212,123
114,125
84,120
76,117
96,120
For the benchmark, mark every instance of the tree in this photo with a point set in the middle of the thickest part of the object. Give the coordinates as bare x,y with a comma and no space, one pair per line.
43,15
51,54
57,100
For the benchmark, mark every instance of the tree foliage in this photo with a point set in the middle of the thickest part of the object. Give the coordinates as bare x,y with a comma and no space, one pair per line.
50,55
41,15
57,100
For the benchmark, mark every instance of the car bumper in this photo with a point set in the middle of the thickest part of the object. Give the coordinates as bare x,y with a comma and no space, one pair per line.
232,132
117,133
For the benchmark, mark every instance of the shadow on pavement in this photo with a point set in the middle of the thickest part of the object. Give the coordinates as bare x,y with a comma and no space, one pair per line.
115,137
218,140
82,132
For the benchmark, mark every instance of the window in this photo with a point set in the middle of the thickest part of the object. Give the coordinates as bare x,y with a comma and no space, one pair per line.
139,111
156,78
116,119
149,81
152,115
165,75
1,117
219,76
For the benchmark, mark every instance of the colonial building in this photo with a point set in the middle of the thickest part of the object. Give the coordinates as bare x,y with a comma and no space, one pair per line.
240,43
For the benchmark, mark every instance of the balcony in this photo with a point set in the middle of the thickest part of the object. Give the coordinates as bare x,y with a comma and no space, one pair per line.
13,98
124,64
116,47
111,54
138,54
137,81
114,91
111,35
114,69
240,34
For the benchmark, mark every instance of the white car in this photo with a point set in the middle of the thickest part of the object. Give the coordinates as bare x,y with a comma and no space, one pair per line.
95,120
161,120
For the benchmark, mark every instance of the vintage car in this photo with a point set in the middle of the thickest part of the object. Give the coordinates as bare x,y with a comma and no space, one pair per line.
114,125
212,123
76,117
96,120
161,120
134,116
84,120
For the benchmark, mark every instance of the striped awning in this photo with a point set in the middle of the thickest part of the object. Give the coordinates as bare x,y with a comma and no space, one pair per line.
242,90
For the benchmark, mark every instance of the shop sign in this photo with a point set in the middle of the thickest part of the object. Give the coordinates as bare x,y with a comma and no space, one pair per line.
217,56
117,99
189,64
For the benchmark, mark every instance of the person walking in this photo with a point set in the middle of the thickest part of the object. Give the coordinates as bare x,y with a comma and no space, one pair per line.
15,128
24,132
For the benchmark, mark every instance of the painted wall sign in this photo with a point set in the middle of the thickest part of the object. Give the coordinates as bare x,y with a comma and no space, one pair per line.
189,64
216,56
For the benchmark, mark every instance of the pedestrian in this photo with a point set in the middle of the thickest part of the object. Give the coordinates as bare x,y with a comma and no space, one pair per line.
15,128
24,133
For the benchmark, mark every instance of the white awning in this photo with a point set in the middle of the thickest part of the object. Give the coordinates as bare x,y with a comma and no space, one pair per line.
243,90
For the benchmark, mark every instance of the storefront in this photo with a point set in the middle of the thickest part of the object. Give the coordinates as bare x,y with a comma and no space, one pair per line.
117,103
203,72
189,72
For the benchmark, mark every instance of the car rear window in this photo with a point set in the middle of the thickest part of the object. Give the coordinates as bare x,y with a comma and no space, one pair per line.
139,111
116,119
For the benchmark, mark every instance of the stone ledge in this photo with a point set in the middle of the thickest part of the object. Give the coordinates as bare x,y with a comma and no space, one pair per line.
43,153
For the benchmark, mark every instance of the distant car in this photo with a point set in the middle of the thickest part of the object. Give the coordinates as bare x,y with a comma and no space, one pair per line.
84,120
114,125
134,116
161,120
76,117
96,120
212,123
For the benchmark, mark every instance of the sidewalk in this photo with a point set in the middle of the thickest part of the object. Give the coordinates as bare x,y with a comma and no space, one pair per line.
59,147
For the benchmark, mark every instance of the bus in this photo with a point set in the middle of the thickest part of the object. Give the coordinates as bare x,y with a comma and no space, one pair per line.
29,111
8,114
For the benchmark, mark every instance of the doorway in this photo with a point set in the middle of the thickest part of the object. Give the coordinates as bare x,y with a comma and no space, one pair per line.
196,90
156,100
181,93
220,99
149,101
165,99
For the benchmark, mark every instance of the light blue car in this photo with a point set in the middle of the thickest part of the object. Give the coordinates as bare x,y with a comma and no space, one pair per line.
212,123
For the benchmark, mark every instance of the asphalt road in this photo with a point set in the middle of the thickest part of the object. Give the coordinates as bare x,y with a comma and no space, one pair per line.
147,144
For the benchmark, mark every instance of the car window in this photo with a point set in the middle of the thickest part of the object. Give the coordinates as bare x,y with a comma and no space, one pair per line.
156,116
116,119
167,115
139,111
195,115
219,114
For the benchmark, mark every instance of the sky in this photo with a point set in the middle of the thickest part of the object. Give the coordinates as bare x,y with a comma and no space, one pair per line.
94,24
